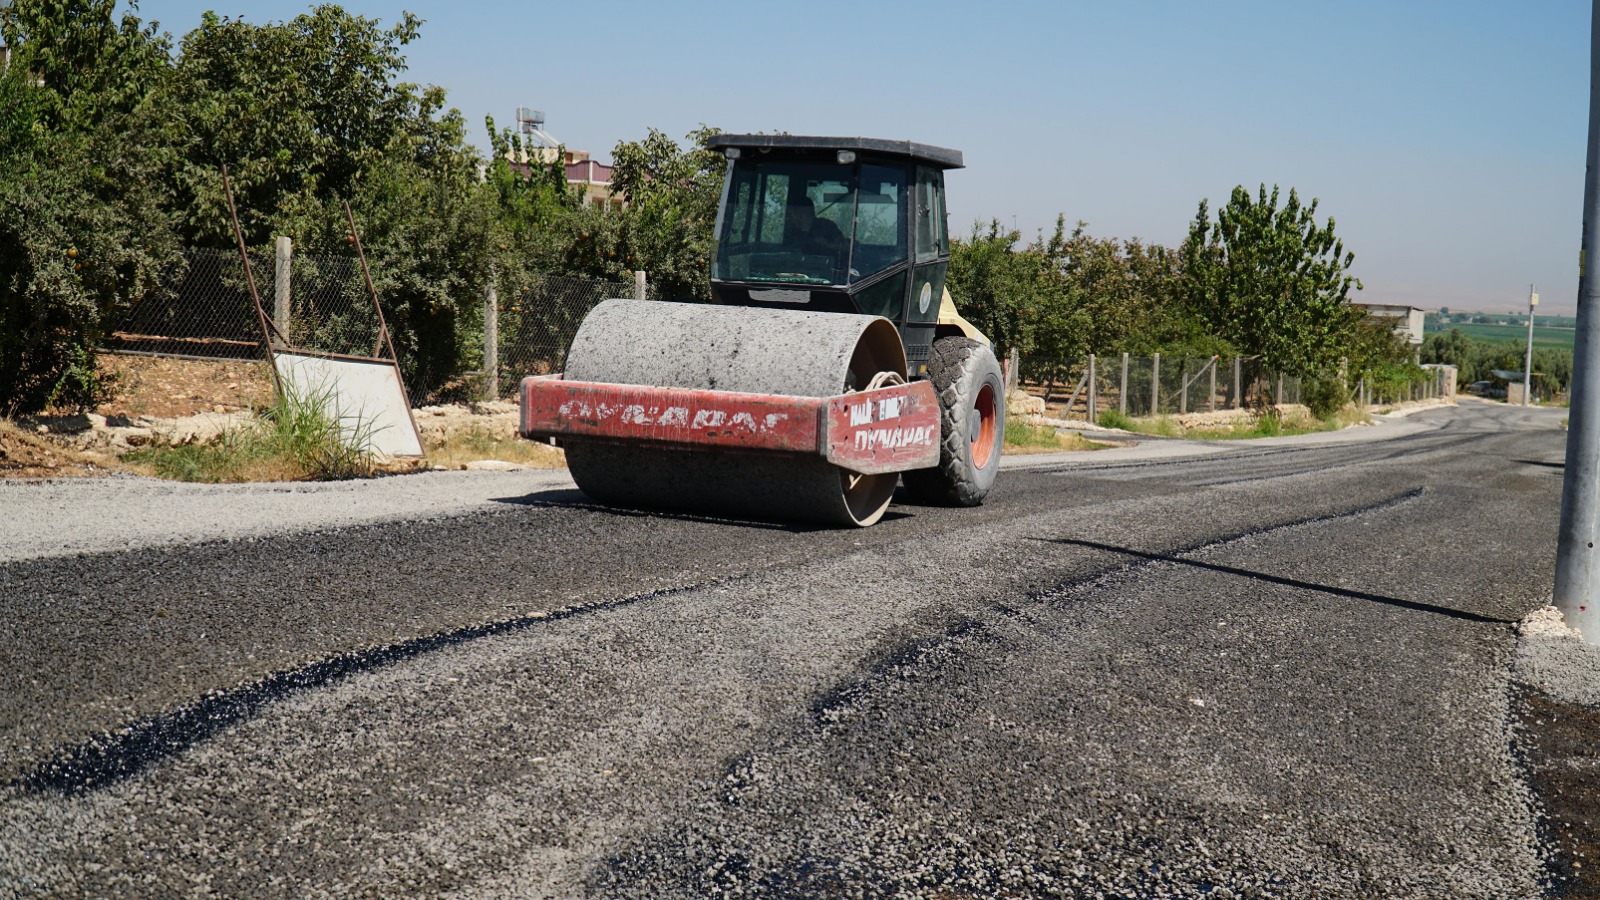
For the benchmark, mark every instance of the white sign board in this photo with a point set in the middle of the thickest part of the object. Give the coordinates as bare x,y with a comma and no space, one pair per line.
364,396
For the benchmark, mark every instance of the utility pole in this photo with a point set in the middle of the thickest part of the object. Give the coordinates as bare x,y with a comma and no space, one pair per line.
1577,564
1527,367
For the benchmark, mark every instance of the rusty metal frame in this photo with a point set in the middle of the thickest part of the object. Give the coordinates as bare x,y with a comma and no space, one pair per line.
284,344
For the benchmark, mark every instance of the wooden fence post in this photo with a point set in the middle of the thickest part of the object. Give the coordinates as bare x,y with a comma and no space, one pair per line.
282,277
1155,384
1238,398
1094,399
1122,389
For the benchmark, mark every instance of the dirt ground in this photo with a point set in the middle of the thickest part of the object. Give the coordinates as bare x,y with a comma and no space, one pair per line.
25,454
164,388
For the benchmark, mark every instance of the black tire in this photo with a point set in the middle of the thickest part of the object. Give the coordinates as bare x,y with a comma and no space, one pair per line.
972,419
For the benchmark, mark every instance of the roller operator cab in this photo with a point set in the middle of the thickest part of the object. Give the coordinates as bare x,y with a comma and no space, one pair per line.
839,225
830,366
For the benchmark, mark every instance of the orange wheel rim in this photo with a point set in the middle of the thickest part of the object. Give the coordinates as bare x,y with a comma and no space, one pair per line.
983,436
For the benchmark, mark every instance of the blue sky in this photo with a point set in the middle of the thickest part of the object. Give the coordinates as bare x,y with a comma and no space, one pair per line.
1446,139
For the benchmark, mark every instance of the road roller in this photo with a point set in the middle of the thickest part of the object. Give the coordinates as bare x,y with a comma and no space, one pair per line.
829,367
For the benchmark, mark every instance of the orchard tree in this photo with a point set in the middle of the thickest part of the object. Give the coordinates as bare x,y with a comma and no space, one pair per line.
1007,291
1272,281
311,113
666,228
83,231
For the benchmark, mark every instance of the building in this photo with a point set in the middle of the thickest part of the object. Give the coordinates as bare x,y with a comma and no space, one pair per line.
1405,320
584,175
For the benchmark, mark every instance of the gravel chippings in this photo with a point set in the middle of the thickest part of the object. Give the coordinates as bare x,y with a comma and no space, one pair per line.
127,512
1555,659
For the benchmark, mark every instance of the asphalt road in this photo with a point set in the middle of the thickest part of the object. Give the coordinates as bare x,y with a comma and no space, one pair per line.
1276,668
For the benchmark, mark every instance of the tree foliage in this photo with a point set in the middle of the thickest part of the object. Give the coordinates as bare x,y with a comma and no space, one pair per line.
82,210
1476,360
1271,281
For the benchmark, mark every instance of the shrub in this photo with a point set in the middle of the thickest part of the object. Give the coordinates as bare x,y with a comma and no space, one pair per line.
1325,396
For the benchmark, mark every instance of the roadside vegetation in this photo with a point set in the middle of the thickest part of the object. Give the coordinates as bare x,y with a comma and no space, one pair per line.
1476,359
479,443
1022,437
1270,422
294,439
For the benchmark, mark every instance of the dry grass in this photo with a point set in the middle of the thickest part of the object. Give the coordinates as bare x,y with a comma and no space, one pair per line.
476,444
26,454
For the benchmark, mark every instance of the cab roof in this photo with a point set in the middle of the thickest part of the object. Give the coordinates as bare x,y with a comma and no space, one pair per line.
923,153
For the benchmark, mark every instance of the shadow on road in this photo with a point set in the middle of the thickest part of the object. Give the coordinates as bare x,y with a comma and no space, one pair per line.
1287,582
575,499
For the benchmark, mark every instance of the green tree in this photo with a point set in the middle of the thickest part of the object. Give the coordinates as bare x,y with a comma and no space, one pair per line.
666,228
83,231
1124,297
1272,281
312,113
1008,292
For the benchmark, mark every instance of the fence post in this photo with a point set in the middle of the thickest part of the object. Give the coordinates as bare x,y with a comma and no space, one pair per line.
1155,384
1094,400
1122,389
1183,386
1277,397
1238,399
281,276
1212,397
1014,374
640,285
491,341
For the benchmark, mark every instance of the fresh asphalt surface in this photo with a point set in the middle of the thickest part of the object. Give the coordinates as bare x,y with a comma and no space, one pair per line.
1274,668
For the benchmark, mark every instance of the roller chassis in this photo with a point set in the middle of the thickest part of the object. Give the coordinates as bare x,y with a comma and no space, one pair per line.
873,432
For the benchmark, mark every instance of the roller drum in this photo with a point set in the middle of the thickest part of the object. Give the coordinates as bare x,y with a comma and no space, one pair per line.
784,352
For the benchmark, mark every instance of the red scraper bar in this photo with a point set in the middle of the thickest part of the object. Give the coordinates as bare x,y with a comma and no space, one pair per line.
874,432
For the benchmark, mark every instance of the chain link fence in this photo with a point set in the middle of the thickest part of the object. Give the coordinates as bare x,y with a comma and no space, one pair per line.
201,309
1152,385
319,302
536,328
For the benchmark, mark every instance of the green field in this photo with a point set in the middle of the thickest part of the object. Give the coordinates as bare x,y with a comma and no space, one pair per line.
1543,336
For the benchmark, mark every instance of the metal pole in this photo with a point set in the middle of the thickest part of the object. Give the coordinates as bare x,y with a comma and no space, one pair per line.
1527,368
250,279
1155,384
1122,392
1183,387
491,340
1577,564
1212,396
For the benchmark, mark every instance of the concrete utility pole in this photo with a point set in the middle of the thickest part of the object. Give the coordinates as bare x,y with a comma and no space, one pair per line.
1527,368
1577,564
